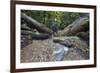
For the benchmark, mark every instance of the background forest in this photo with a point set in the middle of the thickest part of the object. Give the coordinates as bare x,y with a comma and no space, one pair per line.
62,19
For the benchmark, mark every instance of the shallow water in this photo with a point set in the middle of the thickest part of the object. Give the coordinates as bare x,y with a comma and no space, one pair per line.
59,51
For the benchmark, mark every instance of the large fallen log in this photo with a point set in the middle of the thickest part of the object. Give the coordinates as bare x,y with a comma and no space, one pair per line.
79,25
40,36
32,23
34,35
25,27
63,38
24,32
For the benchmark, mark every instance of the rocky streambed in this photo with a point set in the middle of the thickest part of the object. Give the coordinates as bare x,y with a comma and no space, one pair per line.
47,50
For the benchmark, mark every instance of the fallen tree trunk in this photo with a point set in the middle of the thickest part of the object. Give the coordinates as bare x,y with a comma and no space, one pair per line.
73,41
32,23
40,37
81,24
35,36
25,27
63,38
24,32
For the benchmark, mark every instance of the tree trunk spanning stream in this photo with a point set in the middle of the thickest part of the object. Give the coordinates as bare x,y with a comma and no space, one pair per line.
79,25
32,23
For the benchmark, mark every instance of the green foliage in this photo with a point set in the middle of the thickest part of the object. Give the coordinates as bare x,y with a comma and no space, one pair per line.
62,19
86,24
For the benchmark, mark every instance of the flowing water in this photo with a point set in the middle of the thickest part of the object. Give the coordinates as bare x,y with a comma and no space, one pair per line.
58,50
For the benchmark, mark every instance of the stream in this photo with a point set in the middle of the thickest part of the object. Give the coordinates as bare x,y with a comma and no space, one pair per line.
59,51
48,50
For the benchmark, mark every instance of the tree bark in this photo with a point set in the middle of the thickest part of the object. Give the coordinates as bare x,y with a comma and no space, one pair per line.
24,32
32,23
78,25
25,27
35,36
63,38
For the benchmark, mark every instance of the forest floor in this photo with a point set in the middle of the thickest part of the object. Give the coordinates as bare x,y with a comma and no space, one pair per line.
41,51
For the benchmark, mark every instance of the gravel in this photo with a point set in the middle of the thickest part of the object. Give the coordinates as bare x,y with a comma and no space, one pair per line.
43,51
